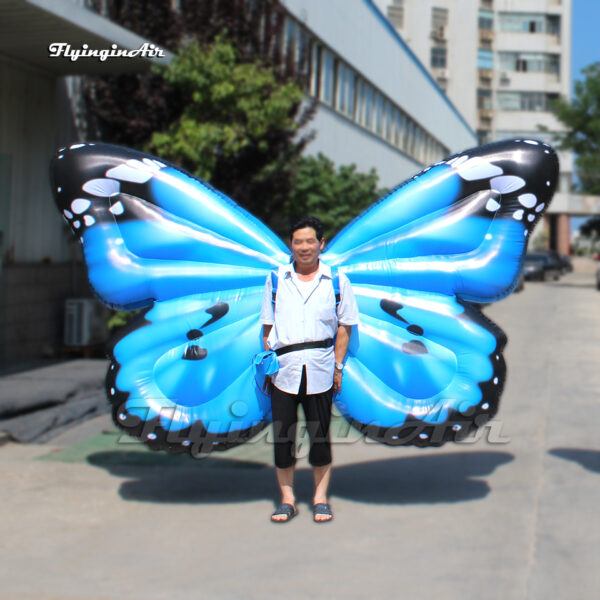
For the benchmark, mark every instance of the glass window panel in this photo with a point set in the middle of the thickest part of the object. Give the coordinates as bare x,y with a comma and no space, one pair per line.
369,99
485,59
327,76
350,83
378,114
439,17
438,57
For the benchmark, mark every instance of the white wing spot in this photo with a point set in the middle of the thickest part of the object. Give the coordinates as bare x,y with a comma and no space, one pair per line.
548,183
104,188
518,214
80,205
533,142
458,160
75,146
507,184
128,173
530,218
117,208
492,205
527,200
540,207
68,214
76,224
61,156
495,380
477,168
89,220
485,406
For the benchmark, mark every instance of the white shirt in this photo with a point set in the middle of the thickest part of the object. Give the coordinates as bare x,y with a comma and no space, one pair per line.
307,317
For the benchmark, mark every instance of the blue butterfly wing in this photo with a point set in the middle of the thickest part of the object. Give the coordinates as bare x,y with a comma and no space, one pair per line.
151,232
153,236
425,365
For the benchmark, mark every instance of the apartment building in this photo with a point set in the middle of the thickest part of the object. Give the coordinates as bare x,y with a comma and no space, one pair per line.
499,61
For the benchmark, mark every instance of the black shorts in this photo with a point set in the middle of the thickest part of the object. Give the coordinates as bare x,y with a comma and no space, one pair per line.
317,411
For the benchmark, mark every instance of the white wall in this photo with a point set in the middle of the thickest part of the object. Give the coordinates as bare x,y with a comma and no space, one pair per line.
359,33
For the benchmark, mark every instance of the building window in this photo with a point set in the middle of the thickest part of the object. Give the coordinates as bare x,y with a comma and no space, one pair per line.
530,62
438,57
327,76
485,59
389,122
530,101
315,68
486,20
439,17
484,99
369,94
395,13
379,114
530,23
400,129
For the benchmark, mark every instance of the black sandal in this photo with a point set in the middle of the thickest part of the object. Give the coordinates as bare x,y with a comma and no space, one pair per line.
322,508
284,509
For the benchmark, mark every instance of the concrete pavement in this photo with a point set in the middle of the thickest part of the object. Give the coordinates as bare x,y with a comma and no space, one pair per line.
509,515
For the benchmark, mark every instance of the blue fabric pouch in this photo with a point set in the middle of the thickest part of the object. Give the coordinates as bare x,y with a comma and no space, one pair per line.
263,364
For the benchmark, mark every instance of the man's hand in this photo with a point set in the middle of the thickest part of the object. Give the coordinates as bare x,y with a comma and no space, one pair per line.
337,381
267,385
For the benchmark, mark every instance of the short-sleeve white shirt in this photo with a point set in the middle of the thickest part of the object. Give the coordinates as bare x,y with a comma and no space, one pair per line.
312,316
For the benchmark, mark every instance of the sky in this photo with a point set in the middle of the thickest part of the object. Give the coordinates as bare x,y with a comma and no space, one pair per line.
585,46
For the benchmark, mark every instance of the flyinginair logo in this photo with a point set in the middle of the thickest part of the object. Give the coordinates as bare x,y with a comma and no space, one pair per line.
146,50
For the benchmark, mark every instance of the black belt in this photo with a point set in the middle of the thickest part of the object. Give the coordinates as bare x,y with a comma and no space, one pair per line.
304,346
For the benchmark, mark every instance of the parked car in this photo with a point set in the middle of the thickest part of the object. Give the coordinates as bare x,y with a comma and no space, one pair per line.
568,265
540,266
561,260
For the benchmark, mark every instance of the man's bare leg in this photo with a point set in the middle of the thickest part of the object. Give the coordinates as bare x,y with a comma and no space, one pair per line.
322,475
285,479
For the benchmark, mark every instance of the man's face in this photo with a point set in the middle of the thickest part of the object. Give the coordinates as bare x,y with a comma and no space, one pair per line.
306,247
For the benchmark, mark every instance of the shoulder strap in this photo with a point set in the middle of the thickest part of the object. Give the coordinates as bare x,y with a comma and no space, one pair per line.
335,279
274,281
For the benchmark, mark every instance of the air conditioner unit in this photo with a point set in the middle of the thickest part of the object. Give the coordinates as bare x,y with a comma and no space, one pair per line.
443,74
439,33
85,322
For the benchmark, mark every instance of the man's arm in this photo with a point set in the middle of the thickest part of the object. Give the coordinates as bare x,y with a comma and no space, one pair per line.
341,347
265,336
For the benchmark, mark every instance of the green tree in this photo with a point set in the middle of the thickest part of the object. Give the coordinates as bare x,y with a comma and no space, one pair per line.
334,196
239,126
582,117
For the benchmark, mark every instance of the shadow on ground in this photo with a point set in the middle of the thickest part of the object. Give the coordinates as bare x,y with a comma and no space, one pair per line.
588,459
448,477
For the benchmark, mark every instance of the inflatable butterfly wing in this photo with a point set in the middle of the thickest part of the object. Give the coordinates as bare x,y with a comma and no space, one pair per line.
153,236
425,365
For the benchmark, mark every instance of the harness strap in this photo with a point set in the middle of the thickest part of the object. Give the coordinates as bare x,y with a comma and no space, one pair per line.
304,346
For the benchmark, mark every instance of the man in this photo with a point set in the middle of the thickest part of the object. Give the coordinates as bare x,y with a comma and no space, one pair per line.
300,321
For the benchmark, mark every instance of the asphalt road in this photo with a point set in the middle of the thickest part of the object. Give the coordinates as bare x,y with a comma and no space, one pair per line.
509,515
